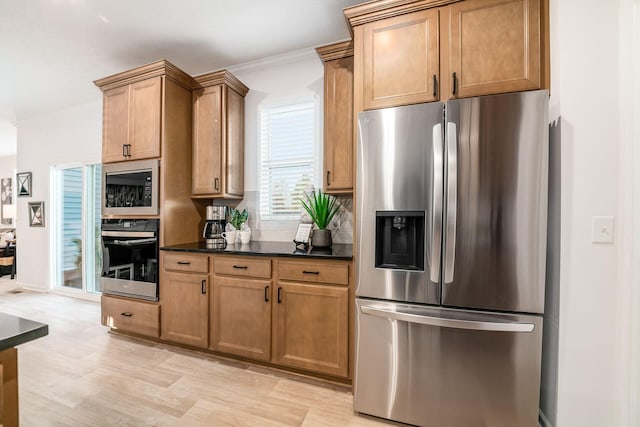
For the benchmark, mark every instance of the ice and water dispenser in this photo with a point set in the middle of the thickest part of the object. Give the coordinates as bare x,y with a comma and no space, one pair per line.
400,240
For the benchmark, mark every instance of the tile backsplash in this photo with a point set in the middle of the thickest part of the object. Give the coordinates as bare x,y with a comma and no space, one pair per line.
283,231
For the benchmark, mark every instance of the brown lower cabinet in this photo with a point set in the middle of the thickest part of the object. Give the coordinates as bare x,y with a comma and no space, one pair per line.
288,312
241,317
184,288
310,329
9,387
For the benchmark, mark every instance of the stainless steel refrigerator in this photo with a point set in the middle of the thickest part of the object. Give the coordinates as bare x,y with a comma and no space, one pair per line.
451,240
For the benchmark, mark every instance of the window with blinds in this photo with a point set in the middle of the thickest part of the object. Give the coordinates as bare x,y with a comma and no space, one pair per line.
287,161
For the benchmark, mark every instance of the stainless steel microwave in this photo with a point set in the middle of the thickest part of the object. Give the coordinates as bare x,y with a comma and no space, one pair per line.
130,188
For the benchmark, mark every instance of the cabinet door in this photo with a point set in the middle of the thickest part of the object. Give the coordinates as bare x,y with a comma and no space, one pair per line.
494,46
311,327
234,176
241,317
401,60
115,124
185,308
9,387
145,116
338,125
207,141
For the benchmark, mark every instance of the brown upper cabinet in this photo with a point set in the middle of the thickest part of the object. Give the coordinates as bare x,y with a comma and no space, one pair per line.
133,110
338,117
411,52
400,60
218,136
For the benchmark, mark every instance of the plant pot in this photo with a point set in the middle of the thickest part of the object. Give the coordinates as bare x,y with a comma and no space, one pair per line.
321,238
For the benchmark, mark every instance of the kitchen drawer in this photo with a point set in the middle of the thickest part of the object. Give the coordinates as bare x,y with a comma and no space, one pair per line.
320,272
185,262
243,266
132,316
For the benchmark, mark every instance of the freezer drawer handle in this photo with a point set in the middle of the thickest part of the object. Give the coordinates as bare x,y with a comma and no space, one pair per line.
448,323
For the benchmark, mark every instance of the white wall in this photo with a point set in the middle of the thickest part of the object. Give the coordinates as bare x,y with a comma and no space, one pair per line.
7,167
291,76
65,137
588,93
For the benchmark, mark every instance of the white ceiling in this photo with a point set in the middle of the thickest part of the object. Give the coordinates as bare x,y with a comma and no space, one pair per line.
52,50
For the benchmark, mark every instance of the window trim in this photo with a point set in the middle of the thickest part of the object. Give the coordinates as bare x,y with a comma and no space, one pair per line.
271,222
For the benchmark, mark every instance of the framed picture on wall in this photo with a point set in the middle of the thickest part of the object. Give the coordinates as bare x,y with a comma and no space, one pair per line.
36,214
24,184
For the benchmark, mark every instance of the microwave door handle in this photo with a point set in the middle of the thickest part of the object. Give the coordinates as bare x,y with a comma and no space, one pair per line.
452,203
436,211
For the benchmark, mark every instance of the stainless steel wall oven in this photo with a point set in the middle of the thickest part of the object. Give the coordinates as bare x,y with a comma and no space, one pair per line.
130,258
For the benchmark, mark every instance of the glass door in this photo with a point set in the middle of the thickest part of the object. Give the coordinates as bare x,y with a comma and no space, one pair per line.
77,254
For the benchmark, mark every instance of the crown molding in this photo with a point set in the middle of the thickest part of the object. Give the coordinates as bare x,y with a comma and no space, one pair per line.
154,69
275,60
337,50
220,77
381,9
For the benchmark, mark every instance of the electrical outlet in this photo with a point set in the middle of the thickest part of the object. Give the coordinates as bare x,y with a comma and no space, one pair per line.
602,229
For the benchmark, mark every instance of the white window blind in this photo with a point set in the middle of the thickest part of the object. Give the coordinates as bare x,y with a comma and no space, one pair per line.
287,158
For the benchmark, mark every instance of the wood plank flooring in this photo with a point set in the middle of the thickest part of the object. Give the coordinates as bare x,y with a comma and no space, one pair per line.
80,375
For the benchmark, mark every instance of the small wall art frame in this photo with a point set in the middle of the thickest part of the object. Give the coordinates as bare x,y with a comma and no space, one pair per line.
36,214
23,179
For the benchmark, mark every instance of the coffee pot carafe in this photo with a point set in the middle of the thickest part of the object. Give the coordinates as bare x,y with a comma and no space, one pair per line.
214,227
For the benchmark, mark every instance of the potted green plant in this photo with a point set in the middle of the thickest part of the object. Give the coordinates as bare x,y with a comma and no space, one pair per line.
237,217
321,207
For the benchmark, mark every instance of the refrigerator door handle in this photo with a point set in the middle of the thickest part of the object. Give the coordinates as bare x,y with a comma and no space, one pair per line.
447,322
436,214
452,202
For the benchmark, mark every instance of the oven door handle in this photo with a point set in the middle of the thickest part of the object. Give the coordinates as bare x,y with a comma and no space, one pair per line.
133,242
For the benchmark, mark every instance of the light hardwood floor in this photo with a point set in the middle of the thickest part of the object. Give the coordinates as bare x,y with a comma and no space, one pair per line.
80,375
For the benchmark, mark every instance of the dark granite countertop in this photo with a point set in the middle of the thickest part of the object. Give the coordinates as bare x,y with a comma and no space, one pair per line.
255,248
16,330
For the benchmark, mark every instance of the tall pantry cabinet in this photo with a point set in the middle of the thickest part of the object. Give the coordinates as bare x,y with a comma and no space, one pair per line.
147,114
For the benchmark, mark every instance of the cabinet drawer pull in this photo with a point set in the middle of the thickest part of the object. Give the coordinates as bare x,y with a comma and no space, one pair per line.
184,263
240,267
266,293
455,83
126,314
435,85
310,272
328,173
204,287
279,295
217,183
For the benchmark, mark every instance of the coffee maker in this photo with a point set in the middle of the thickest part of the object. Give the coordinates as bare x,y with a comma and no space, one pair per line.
214,227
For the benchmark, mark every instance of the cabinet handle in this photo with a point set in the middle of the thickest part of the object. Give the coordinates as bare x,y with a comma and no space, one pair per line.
217,183
204,287
310,272
455,83
435,85
328,182
124,150
266,293
126,314
279,295
184,263
240,267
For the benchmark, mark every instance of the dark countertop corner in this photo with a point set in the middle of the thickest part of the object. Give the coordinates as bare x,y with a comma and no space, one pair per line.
258,248
16,330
